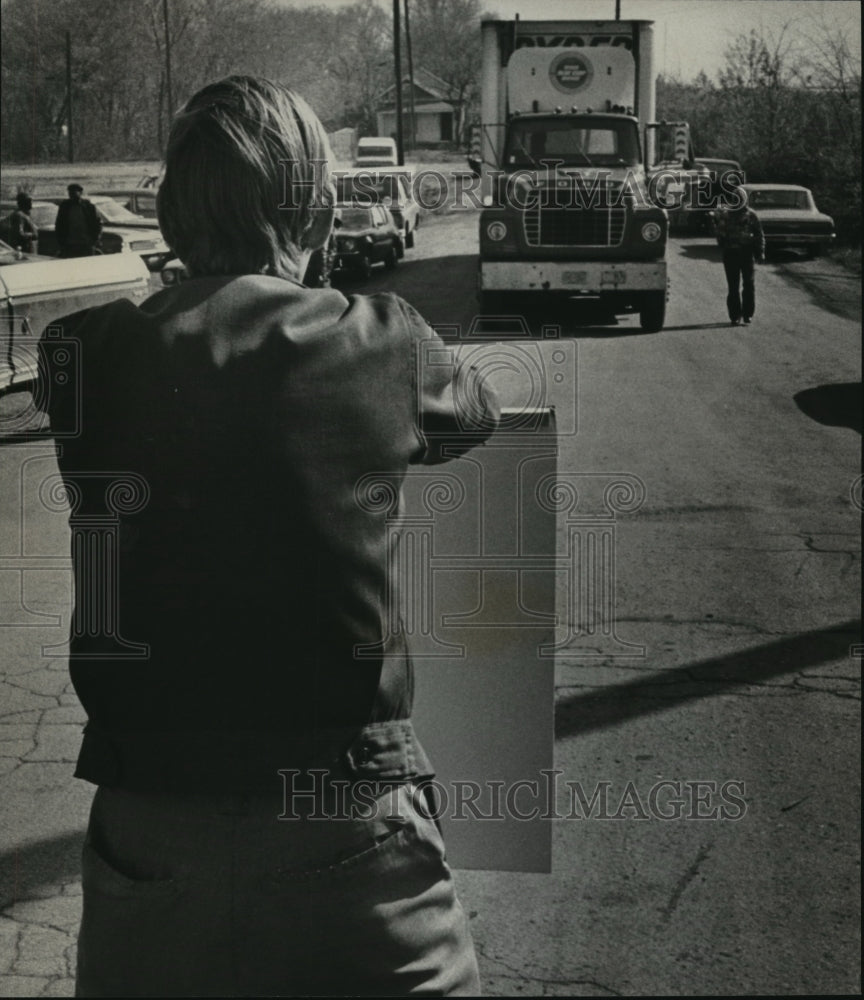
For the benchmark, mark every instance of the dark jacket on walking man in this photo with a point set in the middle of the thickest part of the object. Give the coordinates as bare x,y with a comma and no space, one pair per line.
739,235
77,227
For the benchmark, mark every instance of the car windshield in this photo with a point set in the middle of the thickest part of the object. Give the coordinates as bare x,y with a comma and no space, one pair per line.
602,142
779,199
113,211
375,151
367,189
44,215
355,218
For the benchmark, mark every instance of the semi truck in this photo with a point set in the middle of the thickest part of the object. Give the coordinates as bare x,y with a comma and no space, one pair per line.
566,204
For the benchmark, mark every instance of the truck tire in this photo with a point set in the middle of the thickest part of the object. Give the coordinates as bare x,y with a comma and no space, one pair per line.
813,250
652,313
392,258
409,239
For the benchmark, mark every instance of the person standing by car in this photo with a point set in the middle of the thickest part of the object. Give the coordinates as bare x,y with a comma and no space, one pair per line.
78,225
740,237
25,234
230,851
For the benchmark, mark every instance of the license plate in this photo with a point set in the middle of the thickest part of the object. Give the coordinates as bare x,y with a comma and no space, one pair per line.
613,277
579,278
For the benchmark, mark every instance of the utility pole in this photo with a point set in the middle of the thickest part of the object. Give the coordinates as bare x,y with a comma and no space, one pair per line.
169,95
410,80
70,146
617,10
397,68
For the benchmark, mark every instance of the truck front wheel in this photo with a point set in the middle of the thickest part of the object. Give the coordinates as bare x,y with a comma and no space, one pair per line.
652,312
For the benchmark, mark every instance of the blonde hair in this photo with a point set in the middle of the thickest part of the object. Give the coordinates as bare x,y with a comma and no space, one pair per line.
246,168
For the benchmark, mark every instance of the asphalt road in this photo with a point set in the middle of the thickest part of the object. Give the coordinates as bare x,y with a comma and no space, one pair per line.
739,574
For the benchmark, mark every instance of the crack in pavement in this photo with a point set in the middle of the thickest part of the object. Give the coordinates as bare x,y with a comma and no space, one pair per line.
684,881
522,976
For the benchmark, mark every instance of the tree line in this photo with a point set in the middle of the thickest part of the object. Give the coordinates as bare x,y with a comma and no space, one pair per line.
787,106
123,92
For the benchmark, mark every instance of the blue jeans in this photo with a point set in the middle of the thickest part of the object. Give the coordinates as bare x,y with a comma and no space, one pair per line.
216,895
741,283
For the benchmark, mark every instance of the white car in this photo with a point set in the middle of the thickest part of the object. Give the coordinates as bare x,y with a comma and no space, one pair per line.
35,290
389,186
376,151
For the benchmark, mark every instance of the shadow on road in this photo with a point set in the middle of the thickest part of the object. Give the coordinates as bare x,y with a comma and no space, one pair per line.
836,405
720,324
43,863
701,251
602,708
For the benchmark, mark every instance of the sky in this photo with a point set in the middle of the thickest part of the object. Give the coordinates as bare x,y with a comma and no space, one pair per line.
689,35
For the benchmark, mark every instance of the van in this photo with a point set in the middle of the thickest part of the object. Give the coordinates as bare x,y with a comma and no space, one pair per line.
376,151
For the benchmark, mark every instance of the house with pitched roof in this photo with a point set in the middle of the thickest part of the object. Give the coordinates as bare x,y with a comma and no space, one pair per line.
437,111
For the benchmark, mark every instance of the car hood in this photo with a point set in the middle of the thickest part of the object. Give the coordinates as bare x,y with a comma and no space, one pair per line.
353,233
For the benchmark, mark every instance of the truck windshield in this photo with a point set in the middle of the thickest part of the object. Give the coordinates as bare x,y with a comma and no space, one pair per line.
582,141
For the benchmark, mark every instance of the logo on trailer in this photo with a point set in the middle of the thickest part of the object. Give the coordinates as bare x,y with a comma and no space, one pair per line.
570,72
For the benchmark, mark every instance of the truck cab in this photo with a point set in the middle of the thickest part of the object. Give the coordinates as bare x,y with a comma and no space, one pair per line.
566,202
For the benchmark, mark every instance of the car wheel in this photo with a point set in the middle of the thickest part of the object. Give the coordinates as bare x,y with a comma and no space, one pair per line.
409,239
652,313
813,251
392,258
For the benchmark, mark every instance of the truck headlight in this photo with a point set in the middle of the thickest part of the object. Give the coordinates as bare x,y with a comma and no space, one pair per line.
496,231
346,245
651,232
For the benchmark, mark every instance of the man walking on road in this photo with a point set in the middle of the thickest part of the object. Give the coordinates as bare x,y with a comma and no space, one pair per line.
77,227
739,235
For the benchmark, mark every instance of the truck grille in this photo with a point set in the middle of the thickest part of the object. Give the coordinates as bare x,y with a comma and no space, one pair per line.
574,227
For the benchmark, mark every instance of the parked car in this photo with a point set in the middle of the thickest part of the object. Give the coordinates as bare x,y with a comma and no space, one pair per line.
122,232
317,274
366,236
723,175
789,217
391,187
113,213
139,201
43,214
717,168
34,290
376,151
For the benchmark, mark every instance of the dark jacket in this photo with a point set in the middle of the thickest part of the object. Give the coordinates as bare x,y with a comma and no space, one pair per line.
739,230
91,221
245,412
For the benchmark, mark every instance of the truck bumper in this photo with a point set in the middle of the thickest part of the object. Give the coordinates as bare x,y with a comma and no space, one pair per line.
575,277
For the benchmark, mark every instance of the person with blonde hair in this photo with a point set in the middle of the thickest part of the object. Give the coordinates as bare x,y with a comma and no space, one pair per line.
260,825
